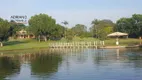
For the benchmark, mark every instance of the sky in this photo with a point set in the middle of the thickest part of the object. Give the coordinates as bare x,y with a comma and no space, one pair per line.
73,11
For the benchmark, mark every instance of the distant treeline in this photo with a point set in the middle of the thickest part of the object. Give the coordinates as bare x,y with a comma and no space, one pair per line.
43,25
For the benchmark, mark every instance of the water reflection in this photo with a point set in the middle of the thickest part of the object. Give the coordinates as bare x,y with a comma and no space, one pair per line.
132,57
104,55
69,64
8,67
134,54
45,64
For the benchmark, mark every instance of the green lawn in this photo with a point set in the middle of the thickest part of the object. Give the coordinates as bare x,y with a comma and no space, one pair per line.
33,44
123,42
108,42
23,44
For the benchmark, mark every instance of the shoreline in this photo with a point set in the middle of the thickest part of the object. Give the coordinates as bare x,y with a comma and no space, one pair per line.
118,47
31,44
104,47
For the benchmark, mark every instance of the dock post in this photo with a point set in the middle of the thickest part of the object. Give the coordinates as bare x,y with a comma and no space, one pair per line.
96,44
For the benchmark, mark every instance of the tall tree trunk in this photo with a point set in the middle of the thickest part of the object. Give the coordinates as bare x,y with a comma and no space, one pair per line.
39,38
1,44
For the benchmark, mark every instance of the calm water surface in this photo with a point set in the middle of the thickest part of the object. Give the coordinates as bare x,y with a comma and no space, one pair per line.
72,64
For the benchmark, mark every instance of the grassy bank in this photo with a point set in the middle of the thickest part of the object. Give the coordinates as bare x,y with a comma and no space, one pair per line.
108,42
123,42
23,44
33,44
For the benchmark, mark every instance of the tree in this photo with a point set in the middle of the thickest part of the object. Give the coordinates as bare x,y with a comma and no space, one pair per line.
58,32
42,25
69,34
93,29
137,24
101,28
125,25
79,30
14,27
95,22
65,24
4,30
132,26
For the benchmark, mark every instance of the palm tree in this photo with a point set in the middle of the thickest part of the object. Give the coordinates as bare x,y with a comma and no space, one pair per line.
95,22
65,23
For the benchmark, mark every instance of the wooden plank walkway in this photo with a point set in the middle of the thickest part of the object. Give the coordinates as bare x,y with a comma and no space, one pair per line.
94,44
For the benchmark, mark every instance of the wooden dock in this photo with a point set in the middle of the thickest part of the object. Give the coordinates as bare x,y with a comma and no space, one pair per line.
94,44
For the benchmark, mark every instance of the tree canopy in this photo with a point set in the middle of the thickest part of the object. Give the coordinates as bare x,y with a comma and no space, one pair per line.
65,23
14,27
132,26
58,32
100,28
79,30
44,25
4,30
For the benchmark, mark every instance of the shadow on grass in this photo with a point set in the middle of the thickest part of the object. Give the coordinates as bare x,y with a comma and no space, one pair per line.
14,42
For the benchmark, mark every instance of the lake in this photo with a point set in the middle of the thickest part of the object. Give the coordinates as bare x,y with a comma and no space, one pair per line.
72,64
